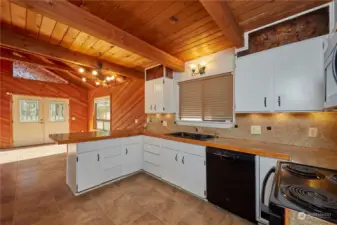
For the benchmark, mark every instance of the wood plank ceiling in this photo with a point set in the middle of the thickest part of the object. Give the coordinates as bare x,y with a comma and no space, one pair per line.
183,29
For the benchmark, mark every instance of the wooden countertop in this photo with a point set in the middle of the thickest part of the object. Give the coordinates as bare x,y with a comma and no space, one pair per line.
309,156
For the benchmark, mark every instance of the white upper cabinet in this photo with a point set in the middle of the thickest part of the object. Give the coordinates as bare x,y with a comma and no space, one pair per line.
159,90
288,78
299,76
253,83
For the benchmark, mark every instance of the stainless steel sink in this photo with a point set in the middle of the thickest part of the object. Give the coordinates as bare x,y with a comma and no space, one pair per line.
193,136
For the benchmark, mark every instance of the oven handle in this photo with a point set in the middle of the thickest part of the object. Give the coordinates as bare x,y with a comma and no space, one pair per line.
264,183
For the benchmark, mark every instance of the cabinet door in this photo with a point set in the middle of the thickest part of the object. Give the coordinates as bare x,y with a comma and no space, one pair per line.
170,168
88,170
299,76
253,83
158,95
132,158
193,171
149,97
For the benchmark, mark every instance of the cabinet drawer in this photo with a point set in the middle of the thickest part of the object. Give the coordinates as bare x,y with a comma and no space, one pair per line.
184,147
112,173
151,168
152,141
152,148
98,145
111,161
151,158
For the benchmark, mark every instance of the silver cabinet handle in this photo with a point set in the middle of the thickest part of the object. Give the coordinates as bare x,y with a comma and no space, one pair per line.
279,101
183,160
176,158
126,151
151,107
155,108
265,102
97,157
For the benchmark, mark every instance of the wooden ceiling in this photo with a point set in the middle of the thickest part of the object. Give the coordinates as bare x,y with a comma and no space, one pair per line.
183,29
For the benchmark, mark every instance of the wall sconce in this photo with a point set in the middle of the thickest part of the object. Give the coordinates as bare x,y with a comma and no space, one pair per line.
199,69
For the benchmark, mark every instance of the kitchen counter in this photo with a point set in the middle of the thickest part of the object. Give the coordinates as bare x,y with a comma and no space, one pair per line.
304,155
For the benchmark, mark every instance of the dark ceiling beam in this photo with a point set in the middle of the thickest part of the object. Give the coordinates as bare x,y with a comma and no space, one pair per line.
31,45
76,17
223,16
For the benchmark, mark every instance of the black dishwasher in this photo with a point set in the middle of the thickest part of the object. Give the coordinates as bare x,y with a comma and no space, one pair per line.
231,181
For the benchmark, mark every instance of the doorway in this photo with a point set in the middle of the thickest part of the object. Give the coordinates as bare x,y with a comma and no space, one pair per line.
34,118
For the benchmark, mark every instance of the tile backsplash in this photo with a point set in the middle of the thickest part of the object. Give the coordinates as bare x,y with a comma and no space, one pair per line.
283,128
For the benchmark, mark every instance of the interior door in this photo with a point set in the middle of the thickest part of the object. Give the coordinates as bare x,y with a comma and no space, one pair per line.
170,166
299,86
254,83
56,117
88,170
28,127
194,174
132,158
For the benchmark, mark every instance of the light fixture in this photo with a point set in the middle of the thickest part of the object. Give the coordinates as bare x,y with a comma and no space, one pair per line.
110,78
199,69
97,82
94,72
84,79
81,70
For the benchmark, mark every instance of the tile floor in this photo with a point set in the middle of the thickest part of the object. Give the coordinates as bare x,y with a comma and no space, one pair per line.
33,192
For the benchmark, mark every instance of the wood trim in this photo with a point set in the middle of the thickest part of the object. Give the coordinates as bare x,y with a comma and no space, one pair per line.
206,78
11,140
33,46
223,16
67,13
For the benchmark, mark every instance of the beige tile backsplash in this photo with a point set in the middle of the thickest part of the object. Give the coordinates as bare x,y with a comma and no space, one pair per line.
286,128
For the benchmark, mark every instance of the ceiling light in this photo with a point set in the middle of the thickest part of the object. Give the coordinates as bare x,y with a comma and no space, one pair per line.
84,79
97,82
193,66
94,72
203,63
81,70
110,78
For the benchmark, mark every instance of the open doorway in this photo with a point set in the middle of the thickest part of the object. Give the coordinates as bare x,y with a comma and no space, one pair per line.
34,118
102,113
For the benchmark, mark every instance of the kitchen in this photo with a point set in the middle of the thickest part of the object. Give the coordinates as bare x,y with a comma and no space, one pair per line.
231,136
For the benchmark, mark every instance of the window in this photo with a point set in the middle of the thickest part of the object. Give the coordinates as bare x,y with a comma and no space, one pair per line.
102,112
29,111
208,99
56,111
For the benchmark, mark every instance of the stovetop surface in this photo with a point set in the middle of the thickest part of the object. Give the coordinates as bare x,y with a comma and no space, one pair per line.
306,189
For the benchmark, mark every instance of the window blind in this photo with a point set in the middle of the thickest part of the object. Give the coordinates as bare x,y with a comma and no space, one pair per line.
207,99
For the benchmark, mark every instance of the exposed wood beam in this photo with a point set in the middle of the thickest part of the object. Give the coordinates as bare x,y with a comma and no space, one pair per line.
8,55
32,45
67,13
223,16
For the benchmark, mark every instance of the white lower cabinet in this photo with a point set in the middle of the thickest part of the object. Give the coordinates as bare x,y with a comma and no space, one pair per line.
102,161
88,171
170,166
193,174
132,158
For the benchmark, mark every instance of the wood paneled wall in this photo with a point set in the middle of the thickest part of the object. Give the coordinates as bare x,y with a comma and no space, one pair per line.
127,105
78,99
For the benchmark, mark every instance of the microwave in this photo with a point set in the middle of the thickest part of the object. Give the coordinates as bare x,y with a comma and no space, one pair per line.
330,64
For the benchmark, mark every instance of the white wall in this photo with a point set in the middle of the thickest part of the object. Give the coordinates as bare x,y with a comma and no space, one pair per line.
217,63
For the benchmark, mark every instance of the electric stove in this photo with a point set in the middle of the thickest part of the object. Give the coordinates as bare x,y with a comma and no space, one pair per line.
307,189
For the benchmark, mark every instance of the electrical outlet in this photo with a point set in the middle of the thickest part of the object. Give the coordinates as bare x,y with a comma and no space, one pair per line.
312,132
164,123
255,130
73,118
136,121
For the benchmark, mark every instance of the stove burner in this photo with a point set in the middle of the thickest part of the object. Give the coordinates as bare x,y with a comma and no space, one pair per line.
310,199
333,178
303,171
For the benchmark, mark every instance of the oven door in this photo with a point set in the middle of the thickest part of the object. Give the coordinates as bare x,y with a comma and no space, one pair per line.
265,195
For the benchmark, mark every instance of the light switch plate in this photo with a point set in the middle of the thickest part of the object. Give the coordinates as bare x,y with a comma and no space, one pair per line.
164,123
136,121
73,118
313,132
255,130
